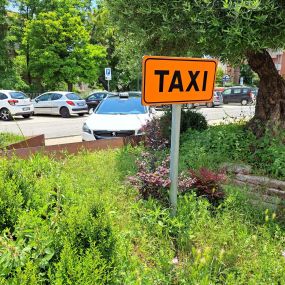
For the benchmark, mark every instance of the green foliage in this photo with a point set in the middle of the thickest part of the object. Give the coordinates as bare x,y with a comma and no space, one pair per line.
46,233
233,143
60,49
247,74
189,120
66,52
9,77
219,76
8,138
226,30
76,221
268,154
215,250
214,146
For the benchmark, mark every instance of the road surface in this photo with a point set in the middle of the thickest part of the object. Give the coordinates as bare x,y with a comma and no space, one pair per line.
57,127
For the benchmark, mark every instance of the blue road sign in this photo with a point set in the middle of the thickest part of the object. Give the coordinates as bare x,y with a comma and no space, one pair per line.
226,77
108,73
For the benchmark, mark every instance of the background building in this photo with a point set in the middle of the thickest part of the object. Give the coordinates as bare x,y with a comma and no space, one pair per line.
279,61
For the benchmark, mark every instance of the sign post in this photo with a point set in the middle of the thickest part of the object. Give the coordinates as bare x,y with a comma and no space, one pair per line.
174,156
108,75
175,80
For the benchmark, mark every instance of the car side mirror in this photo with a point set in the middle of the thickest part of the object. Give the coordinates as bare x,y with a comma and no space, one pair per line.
36,100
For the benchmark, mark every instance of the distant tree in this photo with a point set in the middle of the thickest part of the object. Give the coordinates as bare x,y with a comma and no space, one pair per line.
4,59
124,76
219,76
247,74
28,10
9,73
60,49
233,31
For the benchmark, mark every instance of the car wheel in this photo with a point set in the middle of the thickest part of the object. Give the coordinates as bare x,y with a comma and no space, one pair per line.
5,114
81,114
26,116
244,102
64,112
210,105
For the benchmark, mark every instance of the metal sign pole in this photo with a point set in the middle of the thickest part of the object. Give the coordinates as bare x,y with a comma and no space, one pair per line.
108,86
174,156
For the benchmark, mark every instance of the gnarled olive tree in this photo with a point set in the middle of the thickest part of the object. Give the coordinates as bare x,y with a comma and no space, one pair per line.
232,30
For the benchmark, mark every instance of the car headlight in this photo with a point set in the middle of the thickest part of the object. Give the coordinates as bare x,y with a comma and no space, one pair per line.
86,129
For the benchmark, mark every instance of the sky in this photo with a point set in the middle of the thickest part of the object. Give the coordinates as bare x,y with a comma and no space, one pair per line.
12,8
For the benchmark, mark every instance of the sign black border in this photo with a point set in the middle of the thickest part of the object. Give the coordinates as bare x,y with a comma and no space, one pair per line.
175,59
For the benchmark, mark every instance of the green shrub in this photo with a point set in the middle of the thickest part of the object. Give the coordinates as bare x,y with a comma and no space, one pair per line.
87,225
268,154
189,120
215,145
216,250
233,143
76,221
75,267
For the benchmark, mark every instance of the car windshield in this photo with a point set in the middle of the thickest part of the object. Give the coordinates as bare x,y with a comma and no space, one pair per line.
73,96
119,106
18,95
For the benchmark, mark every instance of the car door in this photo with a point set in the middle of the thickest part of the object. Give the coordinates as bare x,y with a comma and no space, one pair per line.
42,104
94,100
227,96
3,101
56,103
237,95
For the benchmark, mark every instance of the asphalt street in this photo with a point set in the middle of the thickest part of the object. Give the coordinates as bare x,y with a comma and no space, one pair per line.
57,127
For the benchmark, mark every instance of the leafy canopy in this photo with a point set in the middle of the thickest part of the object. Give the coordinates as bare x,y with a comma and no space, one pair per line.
223,28
61,50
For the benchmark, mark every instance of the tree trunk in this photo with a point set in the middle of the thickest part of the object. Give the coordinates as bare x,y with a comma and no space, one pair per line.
69,86
29,77
270,101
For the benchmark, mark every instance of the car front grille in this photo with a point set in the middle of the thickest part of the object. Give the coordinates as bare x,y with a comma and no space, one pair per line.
112,134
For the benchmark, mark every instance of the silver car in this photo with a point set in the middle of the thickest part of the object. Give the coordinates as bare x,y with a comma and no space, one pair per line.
60,103
217,101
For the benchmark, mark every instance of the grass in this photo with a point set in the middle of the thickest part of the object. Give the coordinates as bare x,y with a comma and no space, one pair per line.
77,221
232,143
8,138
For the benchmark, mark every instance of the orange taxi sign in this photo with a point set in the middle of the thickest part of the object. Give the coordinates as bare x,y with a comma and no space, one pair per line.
176,80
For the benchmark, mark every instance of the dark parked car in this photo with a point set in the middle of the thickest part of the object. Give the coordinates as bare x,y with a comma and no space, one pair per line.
95,98
239,94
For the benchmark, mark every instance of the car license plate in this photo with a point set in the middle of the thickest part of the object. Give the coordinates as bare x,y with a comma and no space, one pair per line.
26,109
80,104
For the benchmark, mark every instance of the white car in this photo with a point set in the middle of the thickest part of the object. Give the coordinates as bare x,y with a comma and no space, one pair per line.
60,103
14,103
117,116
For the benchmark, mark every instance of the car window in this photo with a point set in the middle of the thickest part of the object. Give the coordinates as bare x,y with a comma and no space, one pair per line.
245,91
3,96
56,96
118,106
254,91
227,92
18,95
98,96
73,96
45,97
91,97
237,91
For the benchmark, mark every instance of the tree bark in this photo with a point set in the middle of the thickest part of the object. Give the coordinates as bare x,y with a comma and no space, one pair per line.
270,101
69,86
